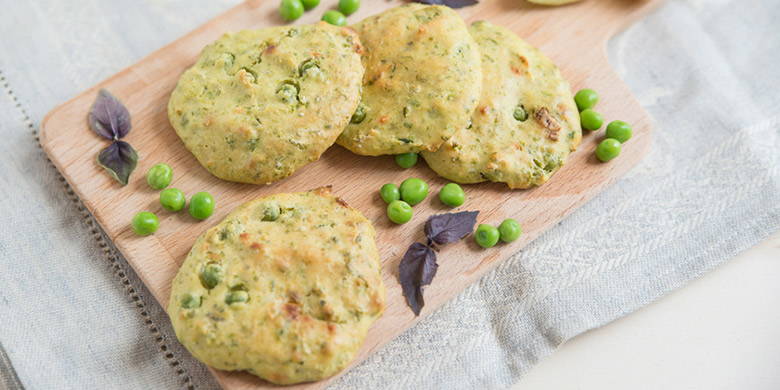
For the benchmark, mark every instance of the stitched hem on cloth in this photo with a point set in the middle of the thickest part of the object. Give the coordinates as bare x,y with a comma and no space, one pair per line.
8,378
109,251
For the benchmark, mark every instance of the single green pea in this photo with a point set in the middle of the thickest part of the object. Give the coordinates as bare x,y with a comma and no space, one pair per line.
509,230
406,160
348,7
389,193
591,120
586,98
172,199
486,236
271,212
608,149
335,18
309,4
619,130
211,275
399,211
190,301
236,297
413,190
201,205
159,176
145,223
290,10
452,195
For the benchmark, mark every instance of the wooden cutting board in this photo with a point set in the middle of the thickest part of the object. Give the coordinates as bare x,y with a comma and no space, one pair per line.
574,36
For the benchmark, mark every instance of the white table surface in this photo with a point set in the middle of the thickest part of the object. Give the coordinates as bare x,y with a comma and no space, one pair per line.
720,332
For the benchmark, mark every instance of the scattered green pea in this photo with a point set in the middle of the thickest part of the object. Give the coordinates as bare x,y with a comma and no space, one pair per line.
309,4
201,205
236,297
159,176
190,301
452,195
399,211
145,223
290,10
619,130
335,18
591,120
486,236
509,230
389,192
608,149
348,7
413,190
211,275
586,98
406,160
172,199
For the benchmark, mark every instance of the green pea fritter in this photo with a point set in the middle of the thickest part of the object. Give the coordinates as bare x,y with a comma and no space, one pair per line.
285,287
421,84
259,104
525,125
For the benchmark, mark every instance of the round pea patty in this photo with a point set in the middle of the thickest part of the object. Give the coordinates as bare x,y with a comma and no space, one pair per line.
259,104
526,123
284,287
421,84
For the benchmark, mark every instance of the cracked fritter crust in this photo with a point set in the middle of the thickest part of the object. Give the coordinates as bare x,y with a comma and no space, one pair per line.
259,104
422,81
526,123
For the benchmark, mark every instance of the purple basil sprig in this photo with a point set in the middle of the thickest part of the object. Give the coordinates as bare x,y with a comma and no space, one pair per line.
446,228
449,3
110,119
418,266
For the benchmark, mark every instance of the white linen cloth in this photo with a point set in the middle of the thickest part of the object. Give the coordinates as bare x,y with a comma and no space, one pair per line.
73,315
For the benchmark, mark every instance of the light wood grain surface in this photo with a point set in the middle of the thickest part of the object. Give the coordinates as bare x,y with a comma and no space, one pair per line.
573,36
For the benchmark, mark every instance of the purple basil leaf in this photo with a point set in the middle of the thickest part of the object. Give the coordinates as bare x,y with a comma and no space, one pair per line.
108,117
446,228
449,3
119,159
417,269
